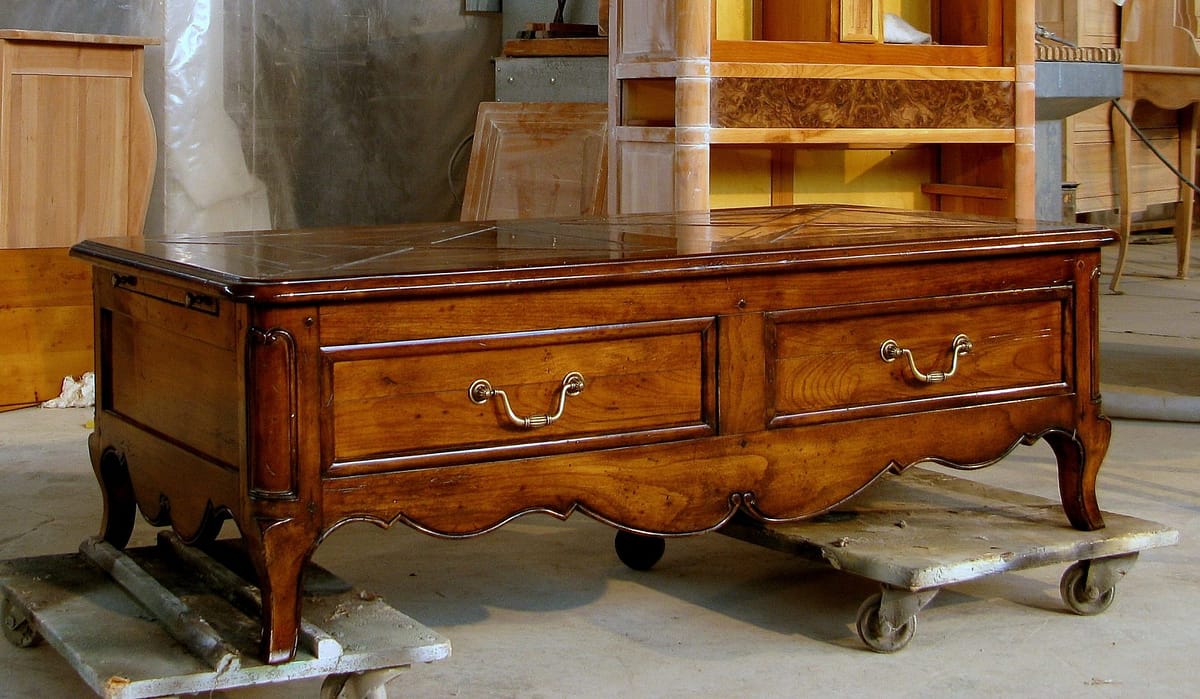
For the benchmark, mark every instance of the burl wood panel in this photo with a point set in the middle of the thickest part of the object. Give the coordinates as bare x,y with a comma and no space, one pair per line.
810,103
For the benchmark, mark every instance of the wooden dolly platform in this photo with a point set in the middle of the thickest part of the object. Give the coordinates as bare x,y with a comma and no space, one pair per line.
920,531
169,620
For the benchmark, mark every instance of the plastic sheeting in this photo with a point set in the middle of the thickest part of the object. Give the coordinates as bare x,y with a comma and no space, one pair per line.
209,187
350,111
347,111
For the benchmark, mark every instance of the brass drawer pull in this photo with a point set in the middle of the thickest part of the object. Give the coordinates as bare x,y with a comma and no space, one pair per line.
481,392
890,350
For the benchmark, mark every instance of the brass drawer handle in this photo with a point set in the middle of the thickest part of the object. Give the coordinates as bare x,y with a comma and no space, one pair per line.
481,392
890,350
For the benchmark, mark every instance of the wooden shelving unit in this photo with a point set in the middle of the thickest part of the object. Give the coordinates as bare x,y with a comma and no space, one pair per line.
713,95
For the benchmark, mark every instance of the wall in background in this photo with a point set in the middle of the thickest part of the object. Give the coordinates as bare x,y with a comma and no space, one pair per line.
346,111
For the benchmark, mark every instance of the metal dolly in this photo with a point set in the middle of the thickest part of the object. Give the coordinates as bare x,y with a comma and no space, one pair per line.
171,619
920,531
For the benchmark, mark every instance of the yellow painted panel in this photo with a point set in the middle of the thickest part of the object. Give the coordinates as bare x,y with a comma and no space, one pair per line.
739,177
915,12
734,20
890,178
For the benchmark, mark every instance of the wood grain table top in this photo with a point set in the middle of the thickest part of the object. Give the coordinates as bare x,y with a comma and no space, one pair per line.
423,258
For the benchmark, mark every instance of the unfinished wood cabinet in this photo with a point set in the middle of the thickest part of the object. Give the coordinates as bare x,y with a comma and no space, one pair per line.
77,152
720,103
77,142
1161,52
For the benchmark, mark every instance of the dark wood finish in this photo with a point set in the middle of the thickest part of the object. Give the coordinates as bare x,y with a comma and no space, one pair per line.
297,381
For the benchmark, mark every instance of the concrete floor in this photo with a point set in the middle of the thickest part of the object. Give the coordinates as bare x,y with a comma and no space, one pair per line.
543,608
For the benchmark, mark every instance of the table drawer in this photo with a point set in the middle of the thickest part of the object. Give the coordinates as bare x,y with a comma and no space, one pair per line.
408,404
854,361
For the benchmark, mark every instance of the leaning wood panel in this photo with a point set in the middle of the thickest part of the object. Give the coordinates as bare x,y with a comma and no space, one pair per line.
532,160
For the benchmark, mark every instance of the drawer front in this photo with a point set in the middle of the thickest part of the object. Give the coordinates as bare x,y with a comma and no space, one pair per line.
831,363
404,405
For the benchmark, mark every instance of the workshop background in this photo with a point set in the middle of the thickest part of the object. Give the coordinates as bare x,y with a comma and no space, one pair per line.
313,113
285,113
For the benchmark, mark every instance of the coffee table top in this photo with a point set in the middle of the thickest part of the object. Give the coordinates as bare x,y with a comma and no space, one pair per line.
308,264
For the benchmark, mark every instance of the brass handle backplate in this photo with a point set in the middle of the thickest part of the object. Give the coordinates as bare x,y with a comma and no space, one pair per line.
481,392
891,350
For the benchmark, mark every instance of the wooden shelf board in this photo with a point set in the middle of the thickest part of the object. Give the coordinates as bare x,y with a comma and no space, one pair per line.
879,136
594,46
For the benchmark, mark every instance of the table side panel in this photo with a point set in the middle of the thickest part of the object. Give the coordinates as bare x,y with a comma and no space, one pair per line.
172,368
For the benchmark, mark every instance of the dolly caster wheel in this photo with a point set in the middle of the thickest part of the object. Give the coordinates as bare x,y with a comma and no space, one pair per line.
638,551
17,628
879,635
1079,596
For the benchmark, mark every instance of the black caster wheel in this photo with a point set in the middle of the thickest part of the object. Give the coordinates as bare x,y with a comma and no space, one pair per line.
1078,596
638,551
17,628
881,637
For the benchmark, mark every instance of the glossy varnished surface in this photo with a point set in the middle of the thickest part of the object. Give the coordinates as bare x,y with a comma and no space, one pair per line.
333,262
730,362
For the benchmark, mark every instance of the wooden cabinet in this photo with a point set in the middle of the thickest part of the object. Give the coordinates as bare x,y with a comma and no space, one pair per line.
718,103
661,372
77,151
1161,51
77,142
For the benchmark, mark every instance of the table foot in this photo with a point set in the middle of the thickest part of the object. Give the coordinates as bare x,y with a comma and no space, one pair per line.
116,487
280,549
638,551
1079,455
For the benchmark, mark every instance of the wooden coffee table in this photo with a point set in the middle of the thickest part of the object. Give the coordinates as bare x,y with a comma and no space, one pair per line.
660,373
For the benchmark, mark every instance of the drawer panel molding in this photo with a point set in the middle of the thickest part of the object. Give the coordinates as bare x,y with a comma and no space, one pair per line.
408,404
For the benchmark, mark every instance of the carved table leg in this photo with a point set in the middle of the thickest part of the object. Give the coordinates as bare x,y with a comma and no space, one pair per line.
120,506
279,549
1079,457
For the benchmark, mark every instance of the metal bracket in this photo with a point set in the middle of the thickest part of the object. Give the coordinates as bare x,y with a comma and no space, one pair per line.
898,605
1105,573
